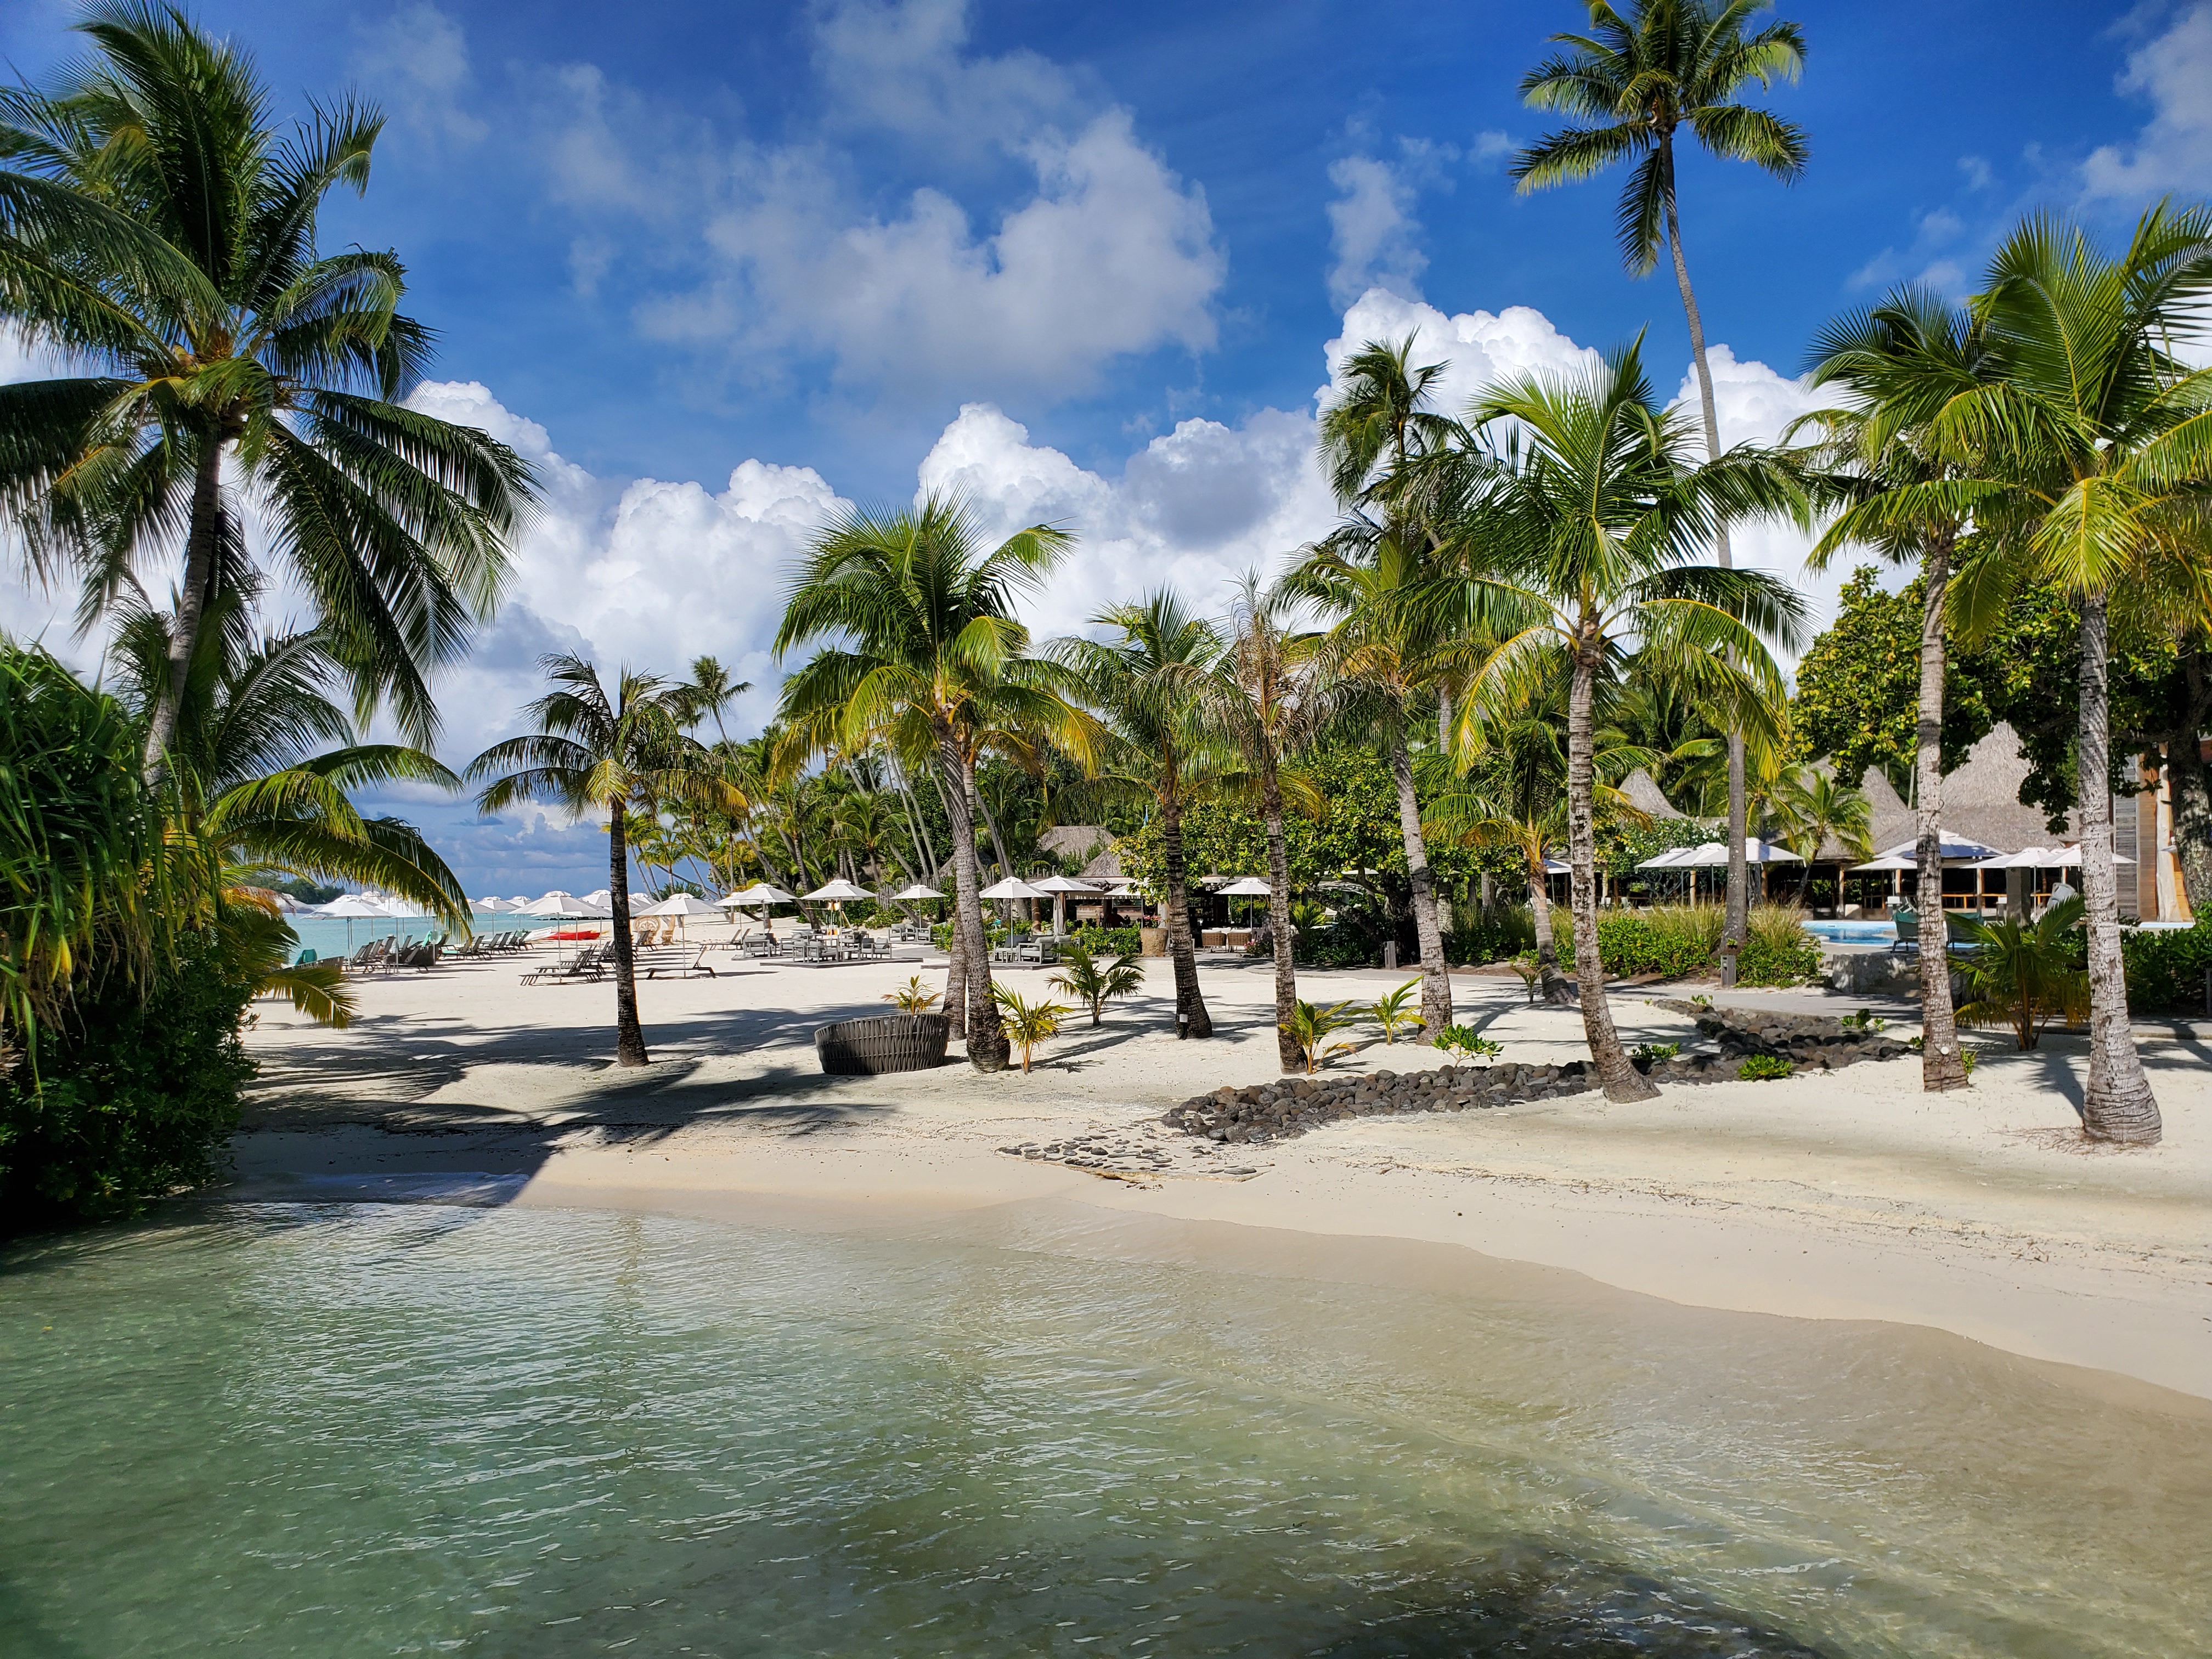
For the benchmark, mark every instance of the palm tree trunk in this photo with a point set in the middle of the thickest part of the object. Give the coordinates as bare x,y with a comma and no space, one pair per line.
1287,1054
1736,922
1435,975
203,548
1941,1066
1550,981
987,1040
1620,1079
1191,1017
630,1036
2117,1105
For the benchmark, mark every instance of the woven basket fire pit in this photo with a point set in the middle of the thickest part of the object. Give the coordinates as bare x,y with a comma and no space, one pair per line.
882,1043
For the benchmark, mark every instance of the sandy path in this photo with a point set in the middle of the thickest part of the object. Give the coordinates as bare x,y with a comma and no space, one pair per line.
1848,1196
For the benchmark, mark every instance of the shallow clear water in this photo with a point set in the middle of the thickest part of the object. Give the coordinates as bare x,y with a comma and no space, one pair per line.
350,1430
1859,933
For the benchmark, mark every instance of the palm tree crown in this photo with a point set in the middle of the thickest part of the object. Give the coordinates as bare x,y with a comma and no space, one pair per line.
1634,81
156,228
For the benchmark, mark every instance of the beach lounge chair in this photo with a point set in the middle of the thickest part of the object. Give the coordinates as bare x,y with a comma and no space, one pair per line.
585,964
679,968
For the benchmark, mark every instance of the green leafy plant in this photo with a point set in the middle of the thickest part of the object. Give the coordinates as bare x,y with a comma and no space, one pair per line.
1651,1053
1763,1067
1028,1023
1530,971
1466,1040
1967,1058
1702,1001
2023,973
1391,1012
1093,983
1865,1020
1310,1027
913,997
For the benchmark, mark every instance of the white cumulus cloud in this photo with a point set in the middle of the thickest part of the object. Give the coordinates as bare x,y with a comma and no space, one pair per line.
2174,149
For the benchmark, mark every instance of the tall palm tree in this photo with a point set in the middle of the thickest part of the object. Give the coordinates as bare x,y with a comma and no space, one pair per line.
1149,685
154,225
619,754
712,690
2102,437
1645,71
1597,496
1384,649
1899,365
1272,697
929,657
1812,806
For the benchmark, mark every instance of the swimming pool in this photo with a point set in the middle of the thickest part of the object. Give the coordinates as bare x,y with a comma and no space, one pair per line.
1854,933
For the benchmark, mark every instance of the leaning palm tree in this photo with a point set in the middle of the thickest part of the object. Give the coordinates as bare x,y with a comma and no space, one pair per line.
592,752
1899,365
1148,685
1272,696
929,661
156,228
1645,71
2102,435
1596,498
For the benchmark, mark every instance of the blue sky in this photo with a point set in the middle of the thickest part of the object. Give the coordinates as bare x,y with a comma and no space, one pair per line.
719,268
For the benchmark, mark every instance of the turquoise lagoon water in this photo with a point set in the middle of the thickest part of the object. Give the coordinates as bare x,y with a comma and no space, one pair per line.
340,1430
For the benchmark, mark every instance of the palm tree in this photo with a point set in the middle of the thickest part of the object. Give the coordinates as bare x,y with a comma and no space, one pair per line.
930,659
1149,686
1382,450
1644,72
1812,807
2102,439
1383,650
712,690
619,755
1595,494
154,225
1272,698
1899,364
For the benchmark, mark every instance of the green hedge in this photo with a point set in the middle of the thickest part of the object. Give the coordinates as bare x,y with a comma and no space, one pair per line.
2165,969
1109,941
1765,961
134,1097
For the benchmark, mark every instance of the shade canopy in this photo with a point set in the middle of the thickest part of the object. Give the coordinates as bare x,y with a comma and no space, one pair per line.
491,907
601,896
1672,859
1886,862
402,909
353,905
1558,867
558,903
1013,887
520,901
1715,853
680,904
1062,884
759,893
915,894
839,891
2042,858
1955,847
1247,887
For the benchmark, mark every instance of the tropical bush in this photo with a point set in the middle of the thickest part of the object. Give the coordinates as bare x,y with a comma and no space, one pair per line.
1094,983
913,997
1311,1025
1497,934
1778,951
1027,1023
2024,974
1763,1068
1110,941
1465,1040
2166,969
1393,1012
129,1095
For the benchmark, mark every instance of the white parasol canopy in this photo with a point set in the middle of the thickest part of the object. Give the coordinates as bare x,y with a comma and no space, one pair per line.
1013,887
2042,858
1755,851
491,907
1063,884
759,893
915,894
839,891
680,904
1955,847
351,906
520,903
1246,887
1672,859
567,906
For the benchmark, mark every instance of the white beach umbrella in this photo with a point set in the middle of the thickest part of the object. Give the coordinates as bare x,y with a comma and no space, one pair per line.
601,896
680,904
1060,887
759,893
1672,859
1247,887
839,891
915,894
565,906
490,907
1954,848
352,906
1013,887
518,902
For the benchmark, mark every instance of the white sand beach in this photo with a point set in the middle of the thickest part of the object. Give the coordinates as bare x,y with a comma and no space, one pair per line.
1841,1196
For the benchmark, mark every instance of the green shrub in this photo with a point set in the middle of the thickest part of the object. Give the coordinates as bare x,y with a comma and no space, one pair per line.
1779,951
135,1093
2166,969
1662,942
1649,1053
1764,1067
1497,934
1110,941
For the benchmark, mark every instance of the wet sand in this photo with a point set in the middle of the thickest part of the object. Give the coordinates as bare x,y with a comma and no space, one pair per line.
1849,1196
